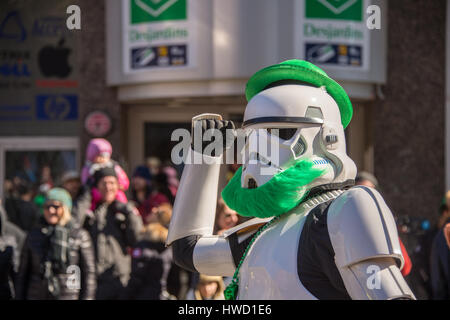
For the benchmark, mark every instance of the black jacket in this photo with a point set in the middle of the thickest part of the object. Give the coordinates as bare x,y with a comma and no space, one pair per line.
114,229
33,285
150,267
23,214
440,267
11,242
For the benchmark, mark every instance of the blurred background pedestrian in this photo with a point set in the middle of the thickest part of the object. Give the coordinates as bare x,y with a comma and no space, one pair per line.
440,256
20,208
115,228
141,188
54,252
11,243
151,260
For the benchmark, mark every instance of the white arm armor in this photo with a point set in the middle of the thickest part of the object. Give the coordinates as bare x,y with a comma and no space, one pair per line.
367,251
194,214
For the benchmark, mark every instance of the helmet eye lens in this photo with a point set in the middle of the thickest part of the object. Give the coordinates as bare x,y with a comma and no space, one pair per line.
283,133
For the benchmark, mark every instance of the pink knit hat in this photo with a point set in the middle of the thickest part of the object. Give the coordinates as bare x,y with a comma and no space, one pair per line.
96,147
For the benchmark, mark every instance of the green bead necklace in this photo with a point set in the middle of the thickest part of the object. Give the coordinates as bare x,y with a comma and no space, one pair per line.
231,290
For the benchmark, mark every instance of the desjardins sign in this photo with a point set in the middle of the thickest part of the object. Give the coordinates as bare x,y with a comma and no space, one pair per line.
155,35
330,32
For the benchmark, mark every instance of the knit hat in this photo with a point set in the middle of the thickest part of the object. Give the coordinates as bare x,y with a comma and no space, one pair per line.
104,172
61,195
143,172
302,71
96,147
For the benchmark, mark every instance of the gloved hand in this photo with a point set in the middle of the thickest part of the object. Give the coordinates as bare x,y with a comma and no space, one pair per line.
200,127
121,213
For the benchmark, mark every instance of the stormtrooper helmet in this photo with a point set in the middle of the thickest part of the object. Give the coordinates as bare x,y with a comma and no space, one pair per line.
294,112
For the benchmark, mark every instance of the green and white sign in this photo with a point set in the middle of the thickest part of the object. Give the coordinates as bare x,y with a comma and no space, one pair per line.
333,33
157,10
158,34
335,9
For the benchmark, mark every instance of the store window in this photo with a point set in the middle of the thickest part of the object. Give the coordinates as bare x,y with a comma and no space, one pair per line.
38,163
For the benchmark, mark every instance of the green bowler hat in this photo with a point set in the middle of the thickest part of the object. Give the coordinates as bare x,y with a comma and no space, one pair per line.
302,71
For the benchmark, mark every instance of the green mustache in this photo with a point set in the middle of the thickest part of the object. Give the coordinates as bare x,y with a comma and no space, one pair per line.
280,194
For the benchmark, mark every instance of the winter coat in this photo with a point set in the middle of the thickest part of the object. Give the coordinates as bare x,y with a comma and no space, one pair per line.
32,282
11,242
150,267
23,214
440,267
114,228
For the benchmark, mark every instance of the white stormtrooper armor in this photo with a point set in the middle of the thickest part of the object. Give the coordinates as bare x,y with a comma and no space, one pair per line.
340,243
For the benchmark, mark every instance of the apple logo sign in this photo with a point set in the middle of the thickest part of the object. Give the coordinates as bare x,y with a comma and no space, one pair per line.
53,60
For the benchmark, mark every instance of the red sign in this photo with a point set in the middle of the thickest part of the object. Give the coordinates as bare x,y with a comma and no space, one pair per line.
97,124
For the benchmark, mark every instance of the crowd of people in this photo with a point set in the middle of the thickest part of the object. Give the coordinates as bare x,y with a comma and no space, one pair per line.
97,235
101,235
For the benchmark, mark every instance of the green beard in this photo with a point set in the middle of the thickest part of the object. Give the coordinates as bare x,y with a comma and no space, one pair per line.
281,193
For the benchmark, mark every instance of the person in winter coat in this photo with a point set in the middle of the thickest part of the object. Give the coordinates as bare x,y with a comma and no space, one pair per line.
114,227
57,261
440,263
21,210
98,156
151,260
11,242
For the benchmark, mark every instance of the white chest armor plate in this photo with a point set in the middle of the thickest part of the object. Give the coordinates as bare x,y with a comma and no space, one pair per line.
269,272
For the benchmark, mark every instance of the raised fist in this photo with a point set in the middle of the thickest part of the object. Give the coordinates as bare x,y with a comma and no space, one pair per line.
211,135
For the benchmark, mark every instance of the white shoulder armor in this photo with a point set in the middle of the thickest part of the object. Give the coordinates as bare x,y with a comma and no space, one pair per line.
361,227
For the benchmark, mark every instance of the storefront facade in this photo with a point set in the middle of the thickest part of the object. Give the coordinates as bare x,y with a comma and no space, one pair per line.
150,69
226,43
39,92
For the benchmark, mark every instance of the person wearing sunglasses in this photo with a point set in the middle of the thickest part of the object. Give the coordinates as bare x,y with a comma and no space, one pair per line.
57,262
